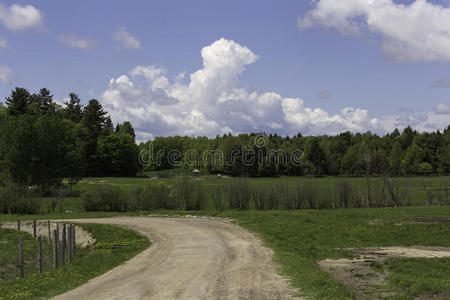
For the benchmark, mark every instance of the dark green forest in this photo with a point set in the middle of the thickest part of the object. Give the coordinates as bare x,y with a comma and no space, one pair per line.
43,144
395,154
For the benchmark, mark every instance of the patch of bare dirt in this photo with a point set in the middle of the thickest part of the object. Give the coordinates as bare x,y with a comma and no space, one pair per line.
82,238
366,277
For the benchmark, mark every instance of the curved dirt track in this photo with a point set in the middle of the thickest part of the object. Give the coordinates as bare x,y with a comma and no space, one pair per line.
190,258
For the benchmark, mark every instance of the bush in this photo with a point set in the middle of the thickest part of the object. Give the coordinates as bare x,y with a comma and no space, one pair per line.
189,194
105,198
238,194
153,195
15,198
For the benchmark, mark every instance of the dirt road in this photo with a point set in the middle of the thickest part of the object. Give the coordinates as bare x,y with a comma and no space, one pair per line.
190,258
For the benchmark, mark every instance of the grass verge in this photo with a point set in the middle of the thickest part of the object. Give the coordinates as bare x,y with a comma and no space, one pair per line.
89,263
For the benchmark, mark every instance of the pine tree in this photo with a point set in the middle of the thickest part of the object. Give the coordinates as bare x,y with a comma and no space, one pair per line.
18,101
73,110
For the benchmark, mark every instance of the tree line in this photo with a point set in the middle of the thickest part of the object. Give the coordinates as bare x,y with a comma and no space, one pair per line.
43,143
397,153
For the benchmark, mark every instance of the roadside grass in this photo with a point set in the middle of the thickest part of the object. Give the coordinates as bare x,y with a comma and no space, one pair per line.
301,238
9,253
419,276
87,264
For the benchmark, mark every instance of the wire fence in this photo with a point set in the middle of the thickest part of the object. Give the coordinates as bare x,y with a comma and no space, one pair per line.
53,245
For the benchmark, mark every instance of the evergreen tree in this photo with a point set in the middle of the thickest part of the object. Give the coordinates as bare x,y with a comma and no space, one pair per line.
44,101
316,158
18,101
73,110
93,121
126,128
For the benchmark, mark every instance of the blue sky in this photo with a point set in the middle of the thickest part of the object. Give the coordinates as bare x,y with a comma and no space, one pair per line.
301,55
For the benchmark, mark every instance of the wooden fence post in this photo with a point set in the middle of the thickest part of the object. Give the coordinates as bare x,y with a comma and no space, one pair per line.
49,233
74,240
57,232
55,249
21,257
63,242
34,228
69,249
39,254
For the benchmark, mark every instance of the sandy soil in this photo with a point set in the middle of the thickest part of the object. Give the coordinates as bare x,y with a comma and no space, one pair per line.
190,258
82,238
359,276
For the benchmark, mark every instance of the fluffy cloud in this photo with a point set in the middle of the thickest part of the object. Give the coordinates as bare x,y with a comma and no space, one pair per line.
416,32
6,74
78,43
442,109
18,17
425,121
3,43
213,102
126,40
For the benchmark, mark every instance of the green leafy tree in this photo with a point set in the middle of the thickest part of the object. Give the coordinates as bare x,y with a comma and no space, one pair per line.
118,154
425,168
40,150
395,158
412,160
351,162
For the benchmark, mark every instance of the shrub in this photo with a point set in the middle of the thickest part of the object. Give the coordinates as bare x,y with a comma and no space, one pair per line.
105,198
189,194
343,192
153,195
15,198
238,194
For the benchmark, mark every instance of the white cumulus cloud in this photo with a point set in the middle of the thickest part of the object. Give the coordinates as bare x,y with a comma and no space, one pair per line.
72,41
442,109
419,31
18,17
126,40
6,74
213,102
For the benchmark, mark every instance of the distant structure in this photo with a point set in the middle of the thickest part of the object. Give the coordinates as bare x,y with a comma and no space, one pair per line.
196,173
219,176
